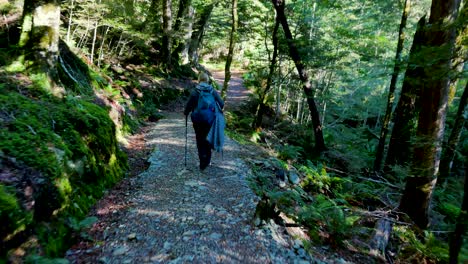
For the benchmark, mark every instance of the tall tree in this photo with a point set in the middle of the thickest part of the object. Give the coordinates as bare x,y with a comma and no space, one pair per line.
391,91
179,41
232,43
40,33
306,86
263,94
399,149
198,31
420,183
460,118
167,32
449,151
456,240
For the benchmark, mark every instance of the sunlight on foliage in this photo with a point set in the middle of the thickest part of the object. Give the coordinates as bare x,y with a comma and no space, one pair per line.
324,215
414,249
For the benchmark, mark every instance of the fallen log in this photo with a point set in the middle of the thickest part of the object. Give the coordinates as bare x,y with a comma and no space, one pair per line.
379,241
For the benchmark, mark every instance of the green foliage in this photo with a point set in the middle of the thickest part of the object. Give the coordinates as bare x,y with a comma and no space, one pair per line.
289,152
317,180
43,260
326,215
70,145
14,219
5,8
412,248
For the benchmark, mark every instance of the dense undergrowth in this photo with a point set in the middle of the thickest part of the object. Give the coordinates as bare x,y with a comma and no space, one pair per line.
337,199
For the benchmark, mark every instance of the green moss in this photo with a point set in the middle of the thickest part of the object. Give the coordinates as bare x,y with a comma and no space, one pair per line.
72,144
13,219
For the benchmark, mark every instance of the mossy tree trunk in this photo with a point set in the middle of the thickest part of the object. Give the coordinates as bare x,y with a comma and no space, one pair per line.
399,149
449,151
460,119
440,36
262,100
391,91
167,32
306,86
456,240
197,34
179,33
40,34
232,43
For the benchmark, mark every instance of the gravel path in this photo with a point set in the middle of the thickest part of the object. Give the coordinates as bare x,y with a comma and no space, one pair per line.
177,214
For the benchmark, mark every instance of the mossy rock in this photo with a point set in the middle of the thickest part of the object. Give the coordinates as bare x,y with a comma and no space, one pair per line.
66,151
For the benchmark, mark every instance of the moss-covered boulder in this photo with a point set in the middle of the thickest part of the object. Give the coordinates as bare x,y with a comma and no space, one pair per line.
57,156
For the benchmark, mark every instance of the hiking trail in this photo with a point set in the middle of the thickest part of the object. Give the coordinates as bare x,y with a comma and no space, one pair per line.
173,214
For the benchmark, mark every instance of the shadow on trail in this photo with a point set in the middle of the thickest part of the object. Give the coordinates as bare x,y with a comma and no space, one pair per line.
182,215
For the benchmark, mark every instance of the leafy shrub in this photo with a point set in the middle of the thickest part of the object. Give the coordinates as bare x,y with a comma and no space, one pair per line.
289,152
318,181
326,219
414,249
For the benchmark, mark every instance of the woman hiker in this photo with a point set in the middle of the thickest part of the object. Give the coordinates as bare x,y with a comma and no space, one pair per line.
202,103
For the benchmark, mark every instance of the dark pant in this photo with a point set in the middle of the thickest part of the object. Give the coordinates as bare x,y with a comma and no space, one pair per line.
203,146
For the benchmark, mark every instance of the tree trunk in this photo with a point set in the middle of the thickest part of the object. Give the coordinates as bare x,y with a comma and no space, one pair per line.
449,152
295,56
167,32
187,37
431,121
460,119
232,43
262,103
399,149
198,32
456,240
379,241
40,33
391,91
179,41
70,20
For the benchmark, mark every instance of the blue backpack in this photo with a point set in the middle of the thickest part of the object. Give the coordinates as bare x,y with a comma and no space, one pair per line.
204,112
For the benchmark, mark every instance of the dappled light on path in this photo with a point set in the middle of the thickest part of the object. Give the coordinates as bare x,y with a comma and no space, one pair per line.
177,214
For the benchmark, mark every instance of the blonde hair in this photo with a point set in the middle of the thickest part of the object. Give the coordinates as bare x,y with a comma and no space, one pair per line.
203,77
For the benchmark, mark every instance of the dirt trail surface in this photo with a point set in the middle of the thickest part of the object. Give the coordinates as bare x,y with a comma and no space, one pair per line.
176,214
237,94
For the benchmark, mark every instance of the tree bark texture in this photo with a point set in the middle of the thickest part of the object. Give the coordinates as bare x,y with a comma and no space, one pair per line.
197,34
391,91
295,56
379,241
179,40
456,240
40,33
188,36
431,121
232,43
399,149
167,32
262,104
449,151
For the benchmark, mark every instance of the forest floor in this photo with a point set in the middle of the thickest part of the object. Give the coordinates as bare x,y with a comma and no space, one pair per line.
170,213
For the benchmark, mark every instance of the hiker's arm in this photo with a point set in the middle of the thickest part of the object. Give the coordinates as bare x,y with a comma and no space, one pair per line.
218,99
190,104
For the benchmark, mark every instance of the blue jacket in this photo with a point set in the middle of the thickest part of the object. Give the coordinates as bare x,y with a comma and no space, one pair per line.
193,99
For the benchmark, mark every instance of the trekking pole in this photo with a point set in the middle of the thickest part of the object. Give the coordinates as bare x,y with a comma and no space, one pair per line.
186,139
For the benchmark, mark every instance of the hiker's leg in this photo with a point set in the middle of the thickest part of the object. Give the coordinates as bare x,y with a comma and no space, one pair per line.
205,148
198,135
